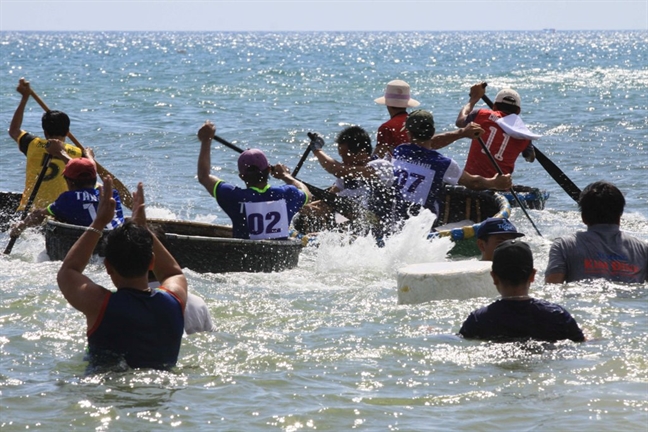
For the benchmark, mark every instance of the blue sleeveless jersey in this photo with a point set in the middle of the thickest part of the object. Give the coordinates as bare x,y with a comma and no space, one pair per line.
140,327
420,174
79,207
232,200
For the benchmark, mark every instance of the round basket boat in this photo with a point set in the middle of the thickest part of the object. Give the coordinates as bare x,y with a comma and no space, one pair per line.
201,247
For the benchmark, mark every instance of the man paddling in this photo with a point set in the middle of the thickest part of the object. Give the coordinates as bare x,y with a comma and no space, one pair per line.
421,171
260,211
502,146
56,125
517,315
358,178
78,205
603,251
135,326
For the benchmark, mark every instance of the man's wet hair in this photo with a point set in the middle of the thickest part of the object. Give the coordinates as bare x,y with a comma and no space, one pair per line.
356,139
55,123
129,249
601,203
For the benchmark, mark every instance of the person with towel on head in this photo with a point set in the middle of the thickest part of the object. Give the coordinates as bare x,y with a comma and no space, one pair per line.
391,134
259,211
516,315
504,148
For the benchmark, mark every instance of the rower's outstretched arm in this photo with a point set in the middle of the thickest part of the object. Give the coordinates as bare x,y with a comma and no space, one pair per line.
206,136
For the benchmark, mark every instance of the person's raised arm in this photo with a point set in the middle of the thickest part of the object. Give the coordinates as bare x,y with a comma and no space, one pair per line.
165,268
476,93
331,166
16,122
206,135
78,289
381,151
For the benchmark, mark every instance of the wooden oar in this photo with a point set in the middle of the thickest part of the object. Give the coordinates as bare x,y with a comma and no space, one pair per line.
552,169
30,201
340,204
124,193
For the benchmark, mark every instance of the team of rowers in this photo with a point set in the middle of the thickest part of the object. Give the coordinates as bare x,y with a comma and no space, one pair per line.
400,178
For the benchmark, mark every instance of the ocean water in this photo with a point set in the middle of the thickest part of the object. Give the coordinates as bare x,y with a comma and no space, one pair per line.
326,346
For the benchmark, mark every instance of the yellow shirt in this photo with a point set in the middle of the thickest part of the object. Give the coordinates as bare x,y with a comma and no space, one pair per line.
53,183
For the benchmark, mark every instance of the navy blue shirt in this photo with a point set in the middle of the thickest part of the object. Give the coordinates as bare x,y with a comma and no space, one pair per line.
420,174
261,224
140,327
79,207
508,320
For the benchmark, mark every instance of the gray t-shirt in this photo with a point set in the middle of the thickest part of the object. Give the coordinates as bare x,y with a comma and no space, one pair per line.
603,251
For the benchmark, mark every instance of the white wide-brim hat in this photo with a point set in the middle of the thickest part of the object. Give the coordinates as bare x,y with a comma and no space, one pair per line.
397,94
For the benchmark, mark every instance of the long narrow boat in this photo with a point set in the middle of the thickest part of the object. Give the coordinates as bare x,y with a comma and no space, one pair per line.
201,247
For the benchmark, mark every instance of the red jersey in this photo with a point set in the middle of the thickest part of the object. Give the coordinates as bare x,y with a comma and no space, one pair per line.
391,134
504,148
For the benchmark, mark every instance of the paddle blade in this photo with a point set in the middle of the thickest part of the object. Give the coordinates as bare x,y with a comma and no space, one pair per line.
10,245
556,173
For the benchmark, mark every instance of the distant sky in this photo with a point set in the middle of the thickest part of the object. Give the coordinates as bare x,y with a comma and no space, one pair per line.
374,15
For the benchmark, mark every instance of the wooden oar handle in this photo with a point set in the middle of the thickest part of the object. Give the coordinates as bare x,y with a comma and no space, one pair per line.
485,98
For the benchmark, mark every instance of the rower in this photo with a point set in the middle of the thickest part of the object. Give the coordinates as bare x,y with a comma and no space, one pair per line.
259,211
56,125
503,146
366,182
78,205
421,171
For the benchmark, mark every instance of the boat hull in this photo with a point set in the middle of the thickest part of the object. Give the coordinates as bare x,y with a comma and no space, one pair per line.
203,248
459,205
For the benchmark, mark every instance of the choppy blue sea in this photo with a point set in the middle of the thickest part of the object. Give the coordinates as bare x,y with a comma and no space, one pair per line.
325,346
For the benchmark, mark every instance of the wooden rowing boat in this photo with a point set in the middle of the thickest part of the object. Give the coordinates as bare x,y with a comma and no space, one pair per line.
201,247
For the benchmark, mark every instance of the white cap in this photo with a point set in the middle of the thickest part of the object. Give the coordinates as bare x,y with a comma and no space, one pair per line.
508,96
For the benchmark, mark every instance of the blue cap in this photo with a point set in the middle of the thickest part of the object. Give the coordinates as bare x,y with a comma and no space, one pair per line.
493,226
